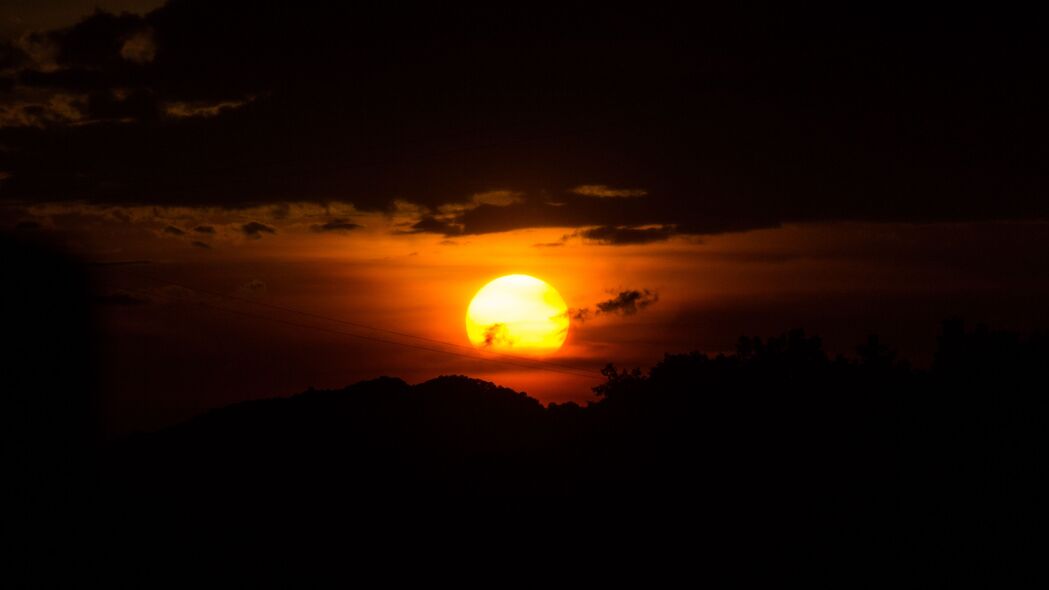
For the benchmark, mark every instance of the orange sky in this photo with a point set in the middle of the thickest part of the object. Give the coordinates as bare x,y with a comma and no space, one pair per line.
840,280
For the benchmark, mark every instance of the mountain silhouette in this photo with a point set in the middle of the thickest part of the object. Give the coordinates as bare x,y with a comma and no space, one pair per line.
776,453
777,436
775,460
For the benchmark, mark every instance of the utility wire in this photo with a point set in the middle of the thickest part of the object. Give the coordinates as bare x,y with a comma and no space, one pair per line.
357,324
528,365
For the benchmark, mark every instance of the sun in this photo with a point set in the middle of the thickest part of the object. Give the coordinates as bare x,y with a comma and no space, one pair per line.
518,314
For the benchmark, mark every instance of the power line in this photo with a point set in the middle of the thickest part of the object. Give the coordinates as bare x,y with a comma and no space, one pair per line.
529,365
359,325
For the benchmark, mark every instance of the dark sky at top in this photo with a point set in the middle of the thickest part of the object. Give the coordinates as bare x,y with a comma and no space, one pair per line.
728,121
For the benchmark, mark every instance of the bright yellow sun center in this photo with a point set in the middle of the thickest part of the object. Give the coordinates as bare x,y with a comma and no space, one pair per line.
518,314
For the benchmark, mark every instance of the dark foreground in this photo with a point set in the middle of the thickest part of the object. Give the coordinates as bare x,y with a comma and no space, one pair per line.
773,463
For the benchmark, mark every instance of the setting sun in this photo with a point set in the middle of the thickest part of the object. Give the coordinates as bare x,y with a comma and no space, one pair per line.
517,313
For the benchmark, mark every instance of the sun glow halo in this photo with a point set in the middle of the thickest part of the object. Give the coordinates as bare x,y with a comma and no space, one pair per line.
518,314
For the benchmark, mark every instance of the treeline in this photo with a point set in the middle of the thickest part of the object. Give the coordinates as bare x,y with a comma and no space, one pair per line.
776,452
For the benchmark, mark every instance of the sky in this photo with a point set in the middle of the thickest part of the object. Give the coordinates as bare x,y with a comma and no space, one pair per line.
272,198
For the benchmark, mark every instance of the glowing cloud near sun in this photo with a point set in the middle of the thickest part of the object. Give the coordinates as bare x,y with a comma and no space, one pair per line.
518,314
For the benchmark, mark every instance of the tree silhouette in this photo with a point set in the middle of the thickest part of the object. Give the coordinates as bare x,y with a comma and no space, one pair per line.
776,437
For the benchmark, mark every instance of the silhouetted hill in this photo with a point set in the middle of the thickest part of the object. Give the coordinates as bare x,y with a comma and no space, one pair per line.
377,439
776,423
776,454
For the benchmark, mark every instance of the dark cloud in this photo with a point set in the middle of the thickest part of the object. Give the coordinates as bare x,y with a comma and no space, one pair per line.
620,236
205,229
335,225
27,225
496,334
575,211
599,120
95,41
140,47
625,303
600,190
254,229
430,224
620,220
174,231
628,302
203,245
